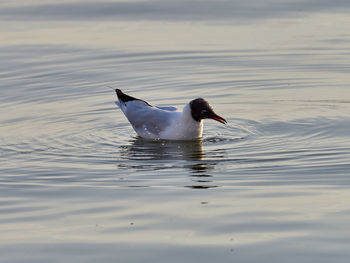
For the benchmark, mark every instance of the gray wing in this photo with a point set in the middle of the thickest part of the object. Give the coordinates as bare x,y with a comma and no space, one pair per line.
146,120
167,108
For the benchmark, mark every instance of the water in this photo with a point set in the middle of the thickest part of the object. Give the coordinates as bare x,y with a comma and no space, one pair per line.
78,185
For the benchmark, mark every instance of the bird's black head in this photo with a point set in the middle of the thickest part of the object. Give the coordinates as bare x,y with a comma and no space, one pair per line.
200,109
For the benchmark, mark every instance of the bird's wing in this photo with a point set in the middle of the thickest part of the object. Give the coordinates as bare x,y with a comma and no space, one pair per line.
148,121
167,108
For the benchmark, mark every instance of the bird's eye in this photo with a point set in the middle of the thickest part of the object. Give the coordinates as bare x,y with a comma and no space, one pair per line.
203,111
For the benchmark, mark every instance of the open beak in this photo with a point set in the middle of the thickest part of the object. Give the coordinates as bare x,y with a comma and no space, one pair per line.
217,118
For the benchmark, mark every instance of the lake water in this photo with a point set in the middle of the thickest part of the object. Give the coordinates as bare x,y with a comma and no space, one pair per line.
78,185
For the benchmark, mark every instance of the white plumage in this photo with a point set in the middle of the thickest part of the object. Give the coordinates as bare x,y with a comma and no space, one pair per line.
166,123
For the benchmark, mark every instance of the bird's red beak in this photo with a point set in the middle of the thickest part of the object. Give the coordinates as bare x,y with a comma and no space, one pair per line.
218,118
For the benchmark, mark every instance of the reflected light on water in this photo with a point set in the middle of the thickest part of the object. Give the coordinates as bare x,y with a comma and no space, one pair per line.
271,186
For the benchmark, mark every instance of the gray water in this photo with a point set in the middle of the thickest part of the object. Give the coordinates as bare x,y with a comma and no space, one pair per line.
78,185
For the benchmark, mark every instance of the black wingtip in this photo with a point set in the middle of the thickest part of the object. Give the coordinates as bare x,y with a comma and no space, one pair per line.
118,92
125,98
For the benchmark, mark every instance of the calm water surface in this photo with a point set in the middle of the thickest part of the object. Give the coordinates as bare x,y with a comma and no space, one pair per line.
78,185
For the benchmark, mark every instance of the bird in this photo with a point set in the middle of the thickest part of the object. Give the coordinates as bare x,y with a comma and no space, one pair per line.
166,123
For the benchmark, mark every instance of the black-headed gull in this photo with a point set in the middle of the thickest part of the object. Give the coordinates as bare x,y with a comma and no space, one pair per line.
166,123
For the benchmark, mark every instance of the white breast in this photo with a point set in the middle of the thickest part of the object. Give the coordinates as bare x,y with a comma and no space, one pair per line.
184,127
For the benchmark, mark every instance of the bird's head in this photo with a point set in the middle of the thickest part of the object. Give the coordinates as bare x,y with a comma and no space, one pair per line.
201,109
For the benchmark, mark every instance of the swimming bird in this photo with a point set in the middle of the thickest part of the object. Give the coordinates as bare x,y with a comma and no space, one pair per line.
168,123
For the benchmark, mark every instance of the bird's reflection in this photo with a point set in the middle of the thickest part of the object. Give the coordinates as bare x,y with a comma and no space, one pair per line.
144,154
141,149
